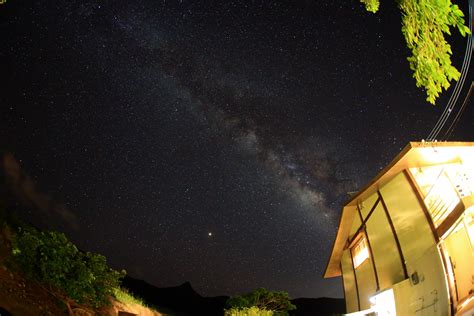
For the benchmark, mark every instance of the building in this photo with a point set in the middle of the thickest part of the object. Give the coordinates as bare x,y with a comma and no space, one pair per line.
405,242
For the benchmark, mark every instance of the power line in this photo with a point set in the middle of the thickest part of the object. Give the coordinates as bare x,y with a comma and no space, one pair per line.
450,105
455,95
451,128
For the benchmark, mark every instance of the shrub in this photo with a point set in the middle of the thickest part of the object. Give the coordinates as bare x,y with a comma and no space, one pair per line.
122,295
63,270
247,311
266,301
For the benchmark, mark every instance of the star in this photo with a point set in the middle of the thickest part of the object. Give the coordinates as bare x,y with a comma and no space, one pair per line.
250,131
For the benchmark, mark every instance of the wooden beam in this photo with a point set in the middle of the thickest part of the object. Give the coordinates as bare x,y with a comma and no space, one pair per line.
362,225
372,258
355,279
455,214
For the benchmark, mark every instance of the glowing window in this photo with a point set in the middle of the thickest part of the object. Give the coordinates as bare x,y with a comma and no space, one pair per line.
442,187
360,252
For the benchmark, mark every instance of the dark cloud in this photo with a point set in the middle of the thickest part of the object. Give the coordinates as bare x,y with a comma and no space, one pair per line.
25,189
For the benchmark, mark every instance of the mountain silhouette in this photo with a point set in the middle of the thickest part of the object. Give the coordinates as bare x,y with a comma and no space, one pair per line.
184,300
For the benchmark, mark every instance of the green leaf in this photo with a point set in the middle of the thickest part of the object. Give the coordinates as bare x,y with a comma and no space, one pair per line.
424,24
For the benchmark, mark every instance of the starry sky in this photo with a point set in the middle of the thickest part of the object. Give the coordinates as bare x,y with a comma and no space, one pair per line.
210,142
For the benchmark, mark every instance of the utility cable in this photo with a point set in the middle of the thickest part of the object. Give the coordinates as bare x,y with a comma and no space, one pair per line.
451,128
455,95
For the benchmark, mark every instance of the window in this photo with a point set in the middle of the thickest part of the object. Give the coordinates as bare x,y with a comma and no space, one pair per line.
442,187
360,252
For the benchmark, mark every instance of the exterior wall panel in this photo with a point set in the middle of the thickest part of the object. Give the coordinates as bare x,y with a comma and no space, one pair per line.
411,225
367,284
462,259
355,225
366,206
350,290
430,295
384,249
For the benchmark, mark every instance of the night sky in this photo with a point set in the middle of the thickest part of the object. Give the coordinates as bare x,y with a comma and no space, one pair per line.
209,142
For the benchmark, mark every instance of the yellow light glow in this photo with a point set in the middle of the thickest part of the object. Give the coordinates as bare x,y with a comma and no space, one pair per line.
436,155
360,252
465,303
443,186
448,267
469,222
383,304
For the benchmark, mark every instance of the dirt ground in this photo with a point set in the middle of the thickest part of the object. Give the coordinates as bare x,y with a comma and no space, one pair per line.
19,296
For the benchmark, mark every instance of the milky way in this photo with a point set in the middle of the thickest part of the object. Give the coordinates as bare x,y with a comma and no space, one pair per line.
139,128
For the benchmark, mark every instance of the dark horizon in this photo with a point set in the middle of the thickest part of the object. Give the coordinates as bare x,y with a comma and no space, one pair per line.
214,144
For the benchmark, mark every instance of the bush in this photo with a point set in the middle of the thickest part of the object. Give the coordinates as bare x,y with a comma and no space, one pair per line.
66,272
247,311
278,303
122,295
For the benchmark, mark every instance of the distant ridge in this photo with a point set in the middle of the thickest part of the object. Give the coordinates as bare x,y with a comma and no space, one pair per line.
184,300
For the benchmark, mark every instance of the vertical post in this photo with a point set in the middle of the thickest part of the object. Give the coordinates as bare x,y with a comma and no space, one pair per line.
355,278
343,285
372,258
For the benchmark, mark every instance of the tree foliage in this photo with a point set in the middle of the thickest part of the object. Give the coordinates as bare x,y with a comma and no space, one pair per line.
276,302
66,272
424,24
371,5
247,311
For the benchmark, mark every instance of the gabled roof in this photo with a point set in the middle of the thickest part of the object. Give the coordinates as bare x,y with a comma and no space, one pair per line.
415,154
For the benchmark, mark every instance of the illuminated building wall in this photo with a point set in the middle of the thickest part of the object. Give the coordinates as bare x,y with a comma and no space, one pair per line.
409,238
